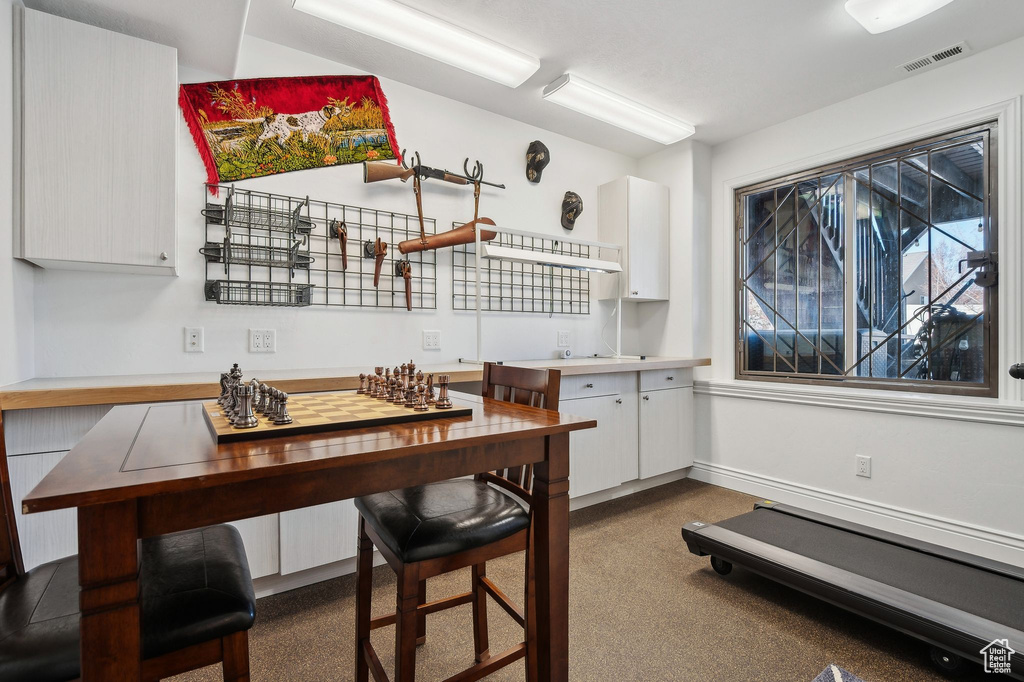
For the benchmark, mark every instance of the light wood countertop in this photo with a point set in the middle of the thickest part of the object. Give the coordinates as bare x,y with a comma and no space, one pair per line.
144,388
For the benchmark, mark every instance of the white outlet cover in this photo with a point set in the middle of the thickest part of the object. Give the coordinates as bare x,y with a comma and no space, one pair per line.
563,339
431,339
194,340
262,340
864,466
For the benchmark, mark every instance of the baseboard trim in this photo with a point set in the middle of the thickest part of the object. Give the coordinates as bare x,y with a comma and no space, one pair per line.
627,488
996,544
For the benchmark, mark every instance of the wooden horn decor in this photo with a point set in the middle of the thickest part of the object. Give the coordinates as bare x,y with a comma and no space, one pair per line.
463,234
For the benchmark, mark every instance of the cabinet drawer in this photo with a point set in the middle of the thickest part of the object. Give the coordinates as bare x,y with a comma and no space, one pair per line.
655,379
591,385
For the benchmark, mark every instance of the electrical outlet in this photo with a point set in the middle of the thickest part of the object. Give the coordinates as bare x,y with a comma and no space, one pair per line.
563,339
431,339
864,466
262,340
193,339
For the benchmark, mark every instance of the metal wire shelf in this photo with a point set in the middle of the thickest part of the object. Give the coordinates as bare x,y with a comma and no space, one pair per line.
249,210
257,250
311,254
259,293
521,287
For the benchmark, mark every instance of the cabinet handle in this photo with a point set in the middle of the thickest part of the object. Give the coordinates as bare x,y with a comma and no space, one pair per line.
618,401
647,397
588,385
634,293
670,378
163,255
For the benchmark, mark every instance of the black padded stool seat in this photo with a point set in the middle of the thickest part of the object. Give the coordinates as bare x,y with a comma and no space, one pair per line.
195,586
441,519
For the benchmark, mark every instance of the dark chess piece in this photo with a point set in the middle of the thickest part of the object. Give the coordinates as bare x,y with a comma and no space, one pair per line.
261,405
398,390
421,398
381,394
245,419
223,389
443,401
282,416
431,398
410,396
419,377
362,384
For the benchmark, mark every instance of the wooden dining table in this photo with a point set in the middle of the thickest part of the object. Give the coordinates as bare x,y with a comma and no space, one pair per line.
147,470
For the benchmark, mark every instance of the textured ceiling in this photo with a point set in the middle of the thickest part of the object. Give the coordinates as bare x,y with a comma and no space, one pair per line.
207,33
727,66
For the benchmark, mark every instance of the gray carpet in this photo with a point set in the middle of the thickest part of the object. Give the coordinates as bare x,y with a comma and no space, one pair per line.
642,608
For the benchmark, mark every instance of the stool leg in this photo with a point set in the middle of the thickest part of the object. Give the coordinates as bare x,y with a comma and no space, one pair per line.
480,613
530,610
364,590
421,618
235,662
406,623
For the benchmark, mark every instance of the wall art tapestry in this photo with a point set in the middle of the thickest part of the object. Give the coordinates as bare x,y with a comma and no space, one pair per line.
262,126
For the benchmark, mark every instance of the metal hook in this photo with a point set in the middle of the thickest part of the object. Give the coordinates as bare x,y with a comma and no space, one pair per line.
478,170
416,155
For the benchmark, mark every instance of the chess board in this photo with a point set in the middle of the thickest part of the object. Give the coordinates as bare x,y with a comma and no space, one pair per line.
313,412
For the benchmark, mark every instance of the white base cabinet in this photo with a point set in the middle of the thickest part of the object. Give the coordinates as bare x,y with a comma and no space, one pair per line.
666,431
604,457
314,536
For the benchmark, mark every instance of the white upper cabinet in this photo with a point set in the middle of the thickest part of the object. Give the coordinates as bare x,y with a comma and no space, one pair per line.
634,214
96,140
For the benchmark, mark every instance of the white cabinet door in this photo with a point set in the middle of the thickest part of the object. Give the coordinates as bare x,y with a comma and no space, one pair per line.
318,535
666,431
98,146
647,207
600,458
262,545
48,535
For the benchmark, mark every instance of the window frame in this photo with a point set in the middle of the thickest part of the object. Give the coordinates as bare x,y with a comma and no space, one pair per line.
949,138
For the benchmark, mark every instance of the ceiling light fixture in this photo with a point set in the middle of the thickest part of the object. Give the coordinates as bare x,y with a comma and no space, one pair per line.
572,92
429,36
879,16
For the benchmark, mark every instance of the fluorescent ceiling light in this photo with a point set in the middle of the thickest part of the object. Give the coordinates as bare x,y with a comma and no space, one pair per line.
556,260
879,16
424,34
572,92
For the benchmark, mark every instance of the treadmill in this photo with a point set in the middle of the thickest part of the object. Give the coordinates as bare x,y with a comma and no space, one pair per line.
953,601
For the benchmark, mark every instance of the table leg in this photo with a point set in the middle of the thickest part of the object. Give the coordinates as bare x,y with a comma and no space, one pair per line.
551,529
108,573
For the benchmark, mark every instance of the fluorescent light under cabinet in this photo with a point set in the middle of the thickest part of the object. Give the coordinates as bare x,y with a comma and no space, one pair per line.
879,16
427,35
555,260
573,92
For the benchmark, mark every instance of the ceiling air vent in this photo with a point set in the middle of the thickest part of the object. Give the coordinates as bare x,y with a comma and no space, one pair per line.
929,60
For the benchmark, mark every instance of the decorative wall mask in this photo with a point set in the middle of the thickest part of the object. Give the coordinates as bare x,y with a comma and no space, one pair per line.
537,159
572,207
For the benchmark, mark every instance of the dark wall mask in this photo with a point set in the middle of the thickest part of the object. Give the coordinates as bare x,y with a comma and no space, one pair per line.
572,207
537,159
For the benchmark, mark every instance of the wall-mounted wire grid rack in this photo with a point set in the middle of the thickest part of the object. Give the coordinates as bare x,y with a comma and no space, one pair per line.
279,250
521,287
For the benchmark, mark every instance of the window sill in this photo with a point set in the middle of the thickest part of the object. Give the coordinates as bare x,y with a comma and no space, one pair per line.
981,410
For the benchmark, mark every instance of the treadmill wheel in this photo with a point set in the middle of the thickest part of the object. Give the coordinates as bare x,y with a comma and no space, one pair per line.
721,566
949,663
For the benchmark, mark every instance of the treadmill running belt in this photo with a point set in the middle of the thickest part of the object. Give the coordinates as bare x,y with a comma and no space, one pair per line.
989,595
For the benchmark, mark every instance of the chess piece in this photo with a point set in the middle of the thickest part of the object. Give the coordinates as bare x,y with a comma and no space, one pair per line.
362,384
379,371
419,377
398,391
410,395
443,401
223,389
245,419
271,405
412,370
282,416
431,398
421,398
387,383
261,401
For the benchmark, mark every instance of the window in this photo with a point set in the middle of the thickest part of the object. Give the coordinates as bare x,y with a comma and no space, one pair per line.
878,271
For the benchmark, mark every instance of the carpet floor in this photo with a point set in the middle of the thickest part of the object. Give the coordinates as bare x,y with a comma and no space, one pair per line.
641,608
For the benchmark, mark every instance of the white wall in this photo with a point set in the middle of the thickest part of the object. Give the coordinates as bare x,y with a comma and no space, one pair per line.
16,283
680,326
958,482
95,324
